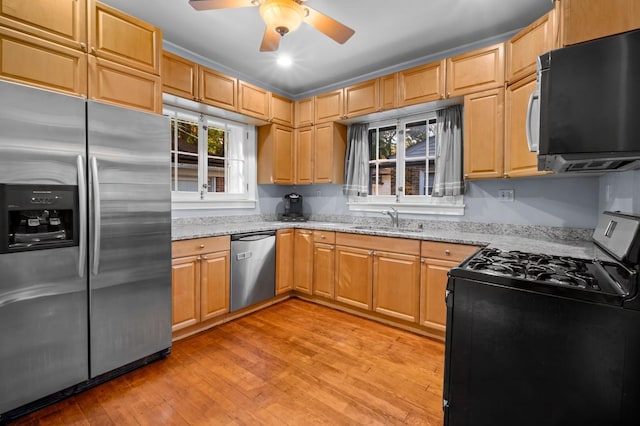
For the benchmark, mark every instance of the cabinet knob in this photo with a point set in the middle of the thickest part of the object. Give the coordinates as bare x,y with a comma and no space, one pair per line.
204,257
423,261
322,236
371,252
447,252
83,46
93,49
201,245
198,258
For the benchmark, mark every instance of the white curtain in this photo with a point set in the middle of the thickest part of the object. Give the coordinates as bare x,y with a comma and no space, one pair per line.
356,162
448,178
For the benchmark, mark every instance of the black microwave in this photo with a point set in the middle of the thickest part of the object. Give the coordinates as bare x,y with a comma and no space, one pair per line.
585,115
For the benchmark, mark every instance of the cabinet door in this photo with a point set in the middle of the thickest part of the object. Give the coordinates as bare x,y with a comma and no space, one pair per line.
36,62
523,49
123,39
323,270
354,276
329,147
185,291
396,285
214,284
253,101
477,70
217,89
585,20
281,110
483,134
304,155
284,260
389,92
305,112
60,21
519,161
433,285
361,98
179,76
328,106
283,170
421,84
303,264
120,85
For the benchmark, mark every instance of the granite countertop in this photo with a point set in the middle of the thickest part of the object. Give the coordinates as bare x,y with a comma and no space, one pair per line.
536,240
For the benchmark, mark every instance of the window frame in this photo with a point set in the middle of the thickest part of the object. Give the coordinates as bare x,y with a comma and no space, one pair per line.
414,204
189,200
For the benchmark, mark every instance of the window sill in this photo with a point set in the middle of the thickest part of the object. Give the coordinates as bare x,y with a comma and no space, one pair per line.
440,208
212,204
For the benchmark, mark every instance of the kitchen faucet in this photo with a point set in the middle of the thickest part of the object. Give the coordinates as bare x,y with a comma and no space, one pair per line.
393,214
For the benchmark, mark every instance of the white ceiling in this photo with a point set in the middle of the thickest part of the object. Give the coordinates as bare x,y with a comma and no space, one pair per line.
390,35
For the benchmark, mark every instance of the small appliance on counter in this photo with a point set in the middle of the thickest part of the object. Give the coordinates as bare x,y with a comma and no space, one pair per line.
293,208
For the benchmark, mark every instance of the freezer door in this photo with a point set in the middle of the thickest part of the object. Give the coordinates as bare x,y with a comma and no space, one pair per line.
130,235
43,293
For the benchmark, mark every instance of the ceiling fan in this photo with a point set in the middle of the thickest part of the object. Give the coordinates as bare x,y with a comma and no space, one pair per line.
282,17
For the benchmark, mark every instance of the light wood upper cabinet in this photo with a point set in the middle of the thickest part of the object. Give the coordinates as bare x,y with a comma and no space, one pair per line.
518,160
305,112
421,84
117,84
118,37
329,147
389,92
362,98
484,134
328,106
281,110
179,76
304,153
475,71
303,265
284,260
253,101
37,62
217,89
523,49
276,154
354,276
59,21
590,19
396,285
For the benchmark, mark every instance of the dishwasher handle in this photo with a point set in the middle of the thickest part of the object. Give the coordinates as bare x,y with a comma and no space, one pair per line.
253,236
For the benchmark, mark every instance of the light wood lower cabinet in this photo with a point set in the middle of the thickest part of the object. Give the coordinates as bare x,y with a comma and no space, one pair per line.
324,264
436,260
396,285
200,280
303,264
284,260
354,276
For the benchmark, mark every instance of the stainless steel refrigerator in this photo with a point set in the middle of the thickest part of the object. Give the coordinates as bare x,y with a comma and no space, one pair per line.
85,256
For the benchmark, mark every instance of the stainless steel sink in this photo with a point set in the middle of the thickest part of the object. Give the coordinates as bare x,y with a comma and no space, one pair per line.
386,228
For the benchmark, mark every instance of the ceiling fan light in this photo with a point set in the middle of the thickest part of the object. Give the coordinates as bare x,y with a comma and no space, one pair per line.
283,15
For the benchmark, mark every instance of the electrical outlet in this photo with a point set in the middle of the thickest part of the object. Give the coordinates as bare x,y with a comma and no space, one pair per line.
505,195
318,193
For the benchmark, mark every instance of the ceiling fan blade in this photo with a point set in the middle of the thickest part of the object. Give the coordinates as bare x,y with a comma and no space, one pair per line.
270,41
328,26
219,4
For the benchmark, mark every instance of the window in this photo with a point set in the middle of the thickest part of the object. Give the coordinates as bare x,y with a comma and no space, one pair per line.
402,164
210,160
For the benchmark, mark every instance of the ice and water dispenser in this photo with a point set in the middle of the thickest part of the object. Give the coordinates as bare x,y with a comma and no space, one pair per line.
38,217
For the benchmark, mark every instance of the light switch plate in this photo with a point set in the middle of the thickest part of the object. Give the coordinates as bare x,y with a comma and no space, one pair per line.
505,195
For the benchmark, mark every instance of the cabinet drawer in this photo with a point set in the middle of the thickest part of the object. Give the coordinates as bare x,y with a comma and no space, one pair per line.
387,244
200,245
447,251
327,237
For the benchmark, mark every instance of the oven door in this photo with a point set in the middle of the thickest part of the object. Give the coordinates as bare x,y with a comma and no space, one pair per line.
515,357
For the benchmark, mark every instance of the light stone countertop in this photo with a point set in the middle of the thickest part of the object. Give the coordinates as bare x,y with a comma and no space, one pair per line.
539,240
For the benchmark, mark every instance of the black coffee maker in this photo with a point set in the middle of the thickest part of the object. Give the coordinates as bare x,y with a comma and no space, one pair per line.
293,208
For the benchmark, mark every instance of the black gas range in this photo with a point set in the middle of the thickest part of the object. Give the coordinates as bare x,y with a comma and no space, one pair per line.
539,339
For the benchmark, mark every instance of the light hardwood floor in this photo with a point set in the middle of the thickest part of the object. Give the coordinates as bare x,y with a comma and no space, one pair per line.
294,363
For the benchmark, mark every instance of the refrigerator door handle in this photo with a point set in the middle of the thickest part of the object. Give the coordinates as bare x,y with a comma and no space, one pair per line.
96,216
82,211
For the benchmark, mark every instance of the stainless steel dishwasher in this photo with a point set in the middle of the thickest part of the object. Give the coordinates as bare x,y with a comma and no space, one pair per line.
253,268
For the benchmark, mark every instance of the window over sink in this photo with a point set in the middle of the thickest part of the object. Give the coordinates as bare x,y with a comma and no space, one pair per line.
210,161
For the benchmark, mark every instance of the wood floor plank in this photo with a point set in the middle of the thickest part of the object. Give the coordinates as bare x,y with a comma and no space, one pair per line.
292,363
